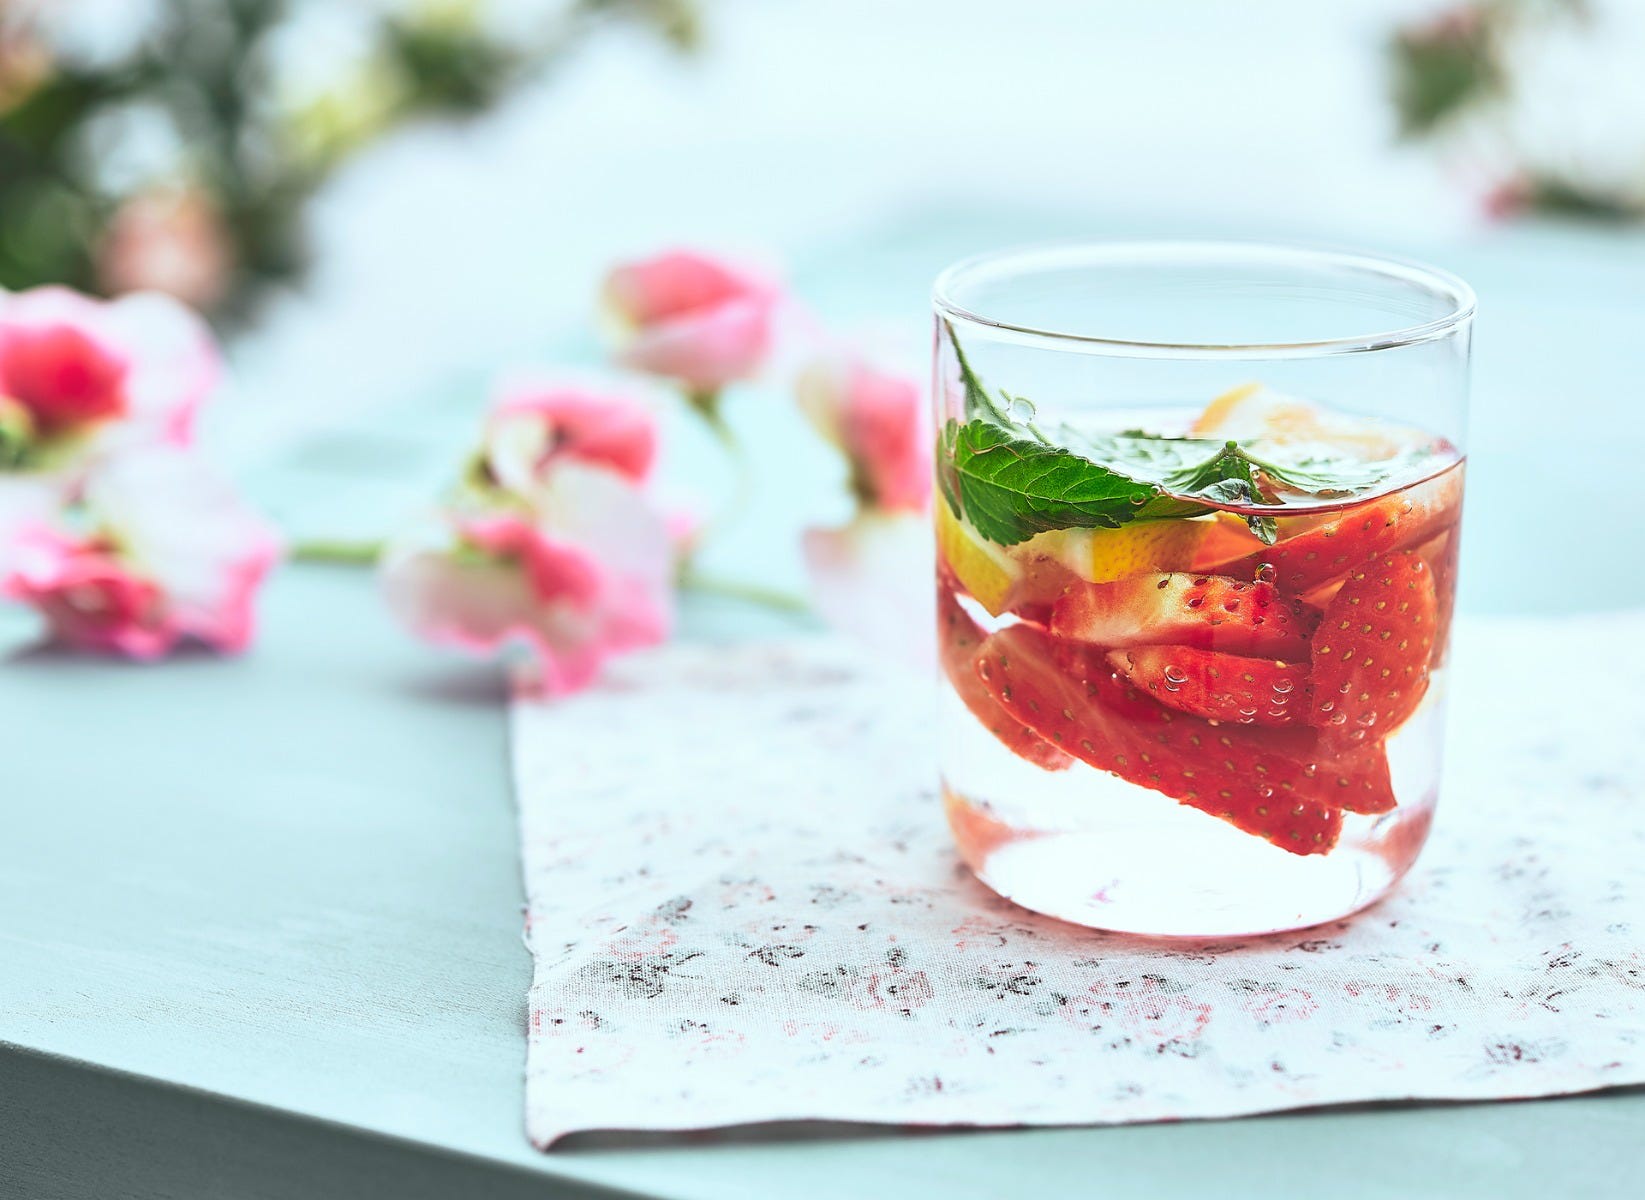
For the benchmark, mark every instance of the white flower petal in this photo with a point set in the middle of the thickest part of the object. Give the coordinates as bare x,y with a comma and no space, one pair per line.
181,525
873,580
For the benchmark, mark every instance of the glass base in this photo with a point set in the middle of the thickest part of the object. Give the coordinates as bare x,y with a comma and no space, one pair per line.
1094,850
1200,879
1086,847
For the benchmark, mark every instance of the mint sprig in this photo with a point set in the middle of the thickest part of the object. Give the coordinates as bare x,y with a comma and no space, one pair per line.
1011,485
1011,481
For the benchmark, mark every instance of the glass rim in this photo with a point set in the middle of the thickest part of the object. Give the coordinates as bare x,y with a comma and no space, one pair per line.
1436,281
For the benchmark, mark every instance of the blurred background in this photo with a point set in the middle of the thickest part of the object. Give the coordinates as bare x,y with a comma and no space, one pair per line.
380,204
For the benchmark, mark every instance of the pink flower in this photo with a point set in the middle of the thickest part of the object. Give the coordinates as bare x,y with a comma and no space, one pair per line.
878,421
534,427
167,240
579,572
75,365
871,580
1508,198
693,319
161,553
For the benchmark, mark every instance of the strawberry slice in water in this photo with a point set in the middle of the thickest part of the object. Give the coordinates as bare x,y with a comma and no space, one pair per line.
1332,549
1222,687
1206,612
1356,780
1071,696
959,638
1371,651
1441,554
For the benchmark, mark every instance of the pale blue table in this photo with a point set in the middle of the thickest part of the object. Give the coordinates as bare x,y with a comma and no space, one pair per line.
260,919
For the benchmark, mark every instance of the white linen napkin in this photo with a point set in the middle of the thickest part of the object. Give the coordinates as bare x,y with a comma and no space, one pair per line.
744,907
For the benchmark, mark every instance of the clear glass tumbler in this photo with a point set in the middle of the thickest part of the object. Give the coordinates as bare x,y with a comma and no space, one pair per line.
1198,522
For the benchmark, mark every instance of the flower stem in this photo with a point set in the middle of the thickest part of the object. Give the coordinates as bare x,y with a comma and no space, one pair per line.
706,404
360,553
694,580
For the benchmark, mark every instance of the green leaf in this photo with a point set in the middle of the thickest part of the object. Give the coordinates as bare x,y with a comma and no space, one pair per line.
1196,466
978,402
1011,481
1227,477
1230,477
1151,457
976,396
948,480
1011,487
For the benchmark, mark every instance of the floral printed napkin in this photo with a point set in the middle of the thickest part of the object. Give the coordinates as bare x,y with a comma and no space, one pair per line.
743,907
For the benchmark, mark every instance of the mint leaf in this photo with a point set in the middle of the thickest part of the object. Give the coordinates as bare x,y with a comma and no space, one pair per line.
1188,464
1230,477
1011,486
1317,471
977,400
1151,457
1011,481
1226,478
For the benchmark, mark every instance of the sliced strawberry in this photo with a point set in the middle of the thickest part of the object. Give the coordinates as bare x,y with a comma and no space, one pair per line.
1207,612
959,638
1043,580
1070,695
977,833
1358,780
1331,549
1441,556
1371,651
1222,687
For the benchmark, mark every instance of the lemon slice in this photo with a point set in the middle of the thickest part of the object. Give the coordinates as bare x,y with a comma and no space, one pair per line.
1253,411
986,571
1104,555
1238,412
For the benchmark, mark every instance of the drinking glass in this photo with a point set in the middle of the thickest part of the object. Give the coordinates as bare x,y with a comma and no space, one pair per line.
1198,523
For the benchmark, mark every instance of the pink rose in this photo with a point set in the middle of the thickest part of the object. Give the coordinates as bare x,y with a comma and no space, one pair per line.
878,421
693,319
75,365
532,428
167,240
161,553
581,570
